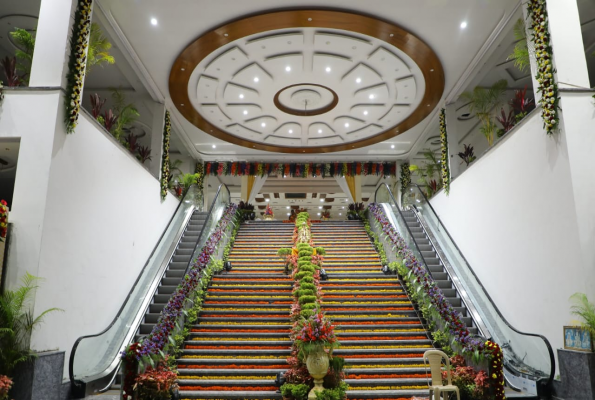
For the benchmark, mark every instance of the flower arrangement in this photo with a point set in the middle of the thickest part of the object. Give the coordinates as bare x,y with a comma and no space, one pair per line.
130,360
314,334
444,153
424,289
268,212
77,63
472,384
3,219
300,170
156,341
156,383
405,177
545,76
5,385
165,159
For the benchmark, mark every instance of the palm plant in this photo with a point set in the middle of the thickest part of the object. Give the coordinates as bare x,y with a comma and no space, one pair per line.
426,172
188,180
585,310
17,324
174,170
520,53
127,113
26,44
99,46
481,102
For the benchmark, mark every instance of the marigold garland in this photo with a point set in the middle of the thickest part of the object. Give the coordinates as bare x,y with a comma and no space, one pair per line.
301,170
77,64
546,74
165,156
3,220
200,171
444,160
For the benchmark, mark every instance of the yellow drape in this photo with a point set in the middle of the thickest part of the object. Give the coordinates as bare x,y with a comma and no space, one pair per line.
250,184
350,180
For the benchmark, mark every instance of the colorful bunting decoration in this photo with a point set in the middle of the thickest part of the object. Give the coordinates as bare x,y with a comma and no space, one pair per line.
300,170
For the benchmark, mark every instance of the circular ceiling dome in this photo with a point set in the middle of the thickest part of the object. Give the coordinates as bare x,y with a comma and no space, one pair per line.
306,81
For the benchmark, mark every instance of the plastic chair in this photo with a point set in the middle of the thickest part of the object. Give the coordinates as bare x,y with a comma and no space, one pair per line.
434,359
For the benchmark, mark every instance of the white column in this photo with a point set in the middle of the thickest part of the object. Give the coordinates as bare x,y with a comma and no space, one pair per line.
258,184
453,130
157,139
567,42
341,181
52,43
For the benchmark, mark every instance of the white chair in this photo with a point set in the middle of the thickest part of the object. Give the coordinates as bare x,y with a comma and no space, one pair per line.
434,359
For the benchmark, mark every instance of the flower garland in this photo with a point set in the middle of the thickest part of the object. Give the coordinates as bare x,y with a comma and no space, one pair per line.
405,177
200,171
3,220
77,64
419,277
165,157
300,170
444,159
545,76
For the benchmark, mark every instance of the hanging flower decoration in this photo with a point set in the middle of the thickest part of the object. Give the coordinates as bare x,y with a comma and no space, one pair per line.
444,160
3,220
165,159
496,369
300,170
200,170
77,63
545,69
405,177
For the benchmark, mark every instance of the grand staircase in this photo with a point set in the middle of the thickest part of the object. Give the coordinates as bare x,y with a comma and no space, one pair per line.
381,336
241,339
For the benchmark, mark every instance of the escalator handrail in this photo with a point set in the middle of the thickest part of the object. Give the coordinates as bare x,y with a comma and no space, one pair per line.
76,343
547,343
212,206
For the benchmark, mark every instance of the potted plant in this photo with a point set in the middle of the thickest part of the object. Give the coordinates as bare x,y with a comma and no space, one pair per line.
157,383
268,213
315,340
5,385
250,210
585,310
481,102
467,154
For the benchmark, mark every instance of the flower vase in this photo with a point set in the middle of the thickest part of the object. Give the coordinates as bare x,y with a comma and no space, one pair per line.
317,364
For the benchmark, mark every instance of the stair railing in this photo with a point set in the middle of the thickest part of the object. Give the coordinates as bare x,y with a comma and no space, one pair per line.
540,364
95,359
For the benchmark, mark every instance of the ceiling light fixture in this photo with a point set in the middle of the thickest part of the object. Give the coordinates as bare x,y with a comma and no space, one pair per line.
320,208
340,214
288,207
343,208
266,199
392,146
346,124
371,97
154,21
256,79
358,80
291,131
366,112
328,69
318,213
463,24
288,213
241,96
214,146
322,200
245,112
288,68
263,124
320,131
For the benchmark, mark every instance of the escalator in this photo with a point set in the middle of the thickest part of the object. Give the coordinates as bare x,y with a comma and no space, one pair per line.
95,359
529,362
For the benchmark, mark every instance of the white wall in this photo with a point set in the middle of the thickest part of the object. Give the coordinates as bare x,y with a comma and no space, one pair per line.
101,219
512,214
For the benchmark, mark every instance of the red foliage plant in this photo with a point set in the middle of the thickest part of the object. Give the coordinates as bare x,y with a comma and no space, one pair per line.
5,385
156,383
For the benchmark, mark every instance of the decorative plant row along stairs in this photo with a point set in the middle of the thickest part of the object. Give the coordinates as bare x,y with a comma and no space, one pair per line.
436,268
241,339
382,339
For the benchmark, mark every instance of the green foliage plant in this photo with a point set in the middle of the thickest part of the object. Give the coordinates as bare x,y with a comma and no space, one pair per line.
520,53
127,113
25,42
99,47
482,101
585,310
17,324
428,172
338,393
295,391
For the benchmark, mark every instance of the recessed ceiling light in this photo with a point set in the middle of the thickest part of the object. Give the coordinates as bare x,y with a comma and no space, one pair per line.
320,131
288,207
263,124
340,214
371,97
358,80
183,69
321,200
343,208
291,131
320,208
241,96
154,21
266,199
288,68
288,213
245,112
392,146
318,213
214,146
256,79
328,69
226,34
366,112
346,124
463,24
